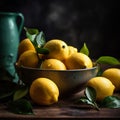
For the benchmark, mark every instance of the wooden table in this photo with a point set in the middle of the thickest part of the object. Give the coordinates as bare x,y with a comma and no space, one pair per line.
64,109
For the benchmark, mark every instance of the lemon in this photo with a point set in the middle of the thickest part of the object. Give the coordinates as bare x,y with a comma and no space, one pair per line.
28,58
25,45
58,49
72,50
44,91
53,64
113,74
102,86
78,61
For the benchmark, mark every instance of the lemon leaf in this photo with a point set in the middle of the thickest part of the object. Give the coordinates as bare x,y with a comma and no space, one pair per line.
31,33
21,106
90,97
111,102
84,49
40,39
20,93
108,60
37,38
87,101
42,50
90,93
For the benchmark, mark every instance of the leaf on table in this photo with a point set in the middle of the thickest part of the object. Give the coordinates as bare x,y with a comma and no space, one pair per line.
86,101
90,97
90,93
108,60
111,102
20,93
21,106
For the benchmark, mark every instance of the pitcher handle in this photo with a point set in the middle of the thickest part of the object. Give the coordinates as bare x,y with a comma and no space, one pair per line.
20,15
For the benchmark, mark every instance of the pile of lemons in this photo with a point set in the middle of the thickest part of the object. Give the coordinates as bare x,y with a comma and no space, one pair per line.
62,57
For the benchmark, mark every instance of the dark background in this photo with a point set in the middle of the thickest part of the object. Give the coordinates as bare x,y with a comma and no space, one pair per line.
95,22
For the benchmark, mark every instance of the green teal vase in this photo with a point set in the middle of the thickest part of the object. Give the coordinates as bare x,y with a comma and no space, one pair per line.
11,25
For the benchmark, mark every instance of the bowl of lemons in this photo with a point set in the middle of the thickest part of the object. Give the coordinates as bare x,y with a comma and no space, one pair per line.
69,69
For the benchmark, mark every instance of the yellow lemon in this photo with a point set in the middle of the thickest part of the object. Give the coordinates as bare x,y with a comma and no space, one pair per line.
28,58
53,64
58,49
102,86
113,74
25,45
72,50
44,91
78,61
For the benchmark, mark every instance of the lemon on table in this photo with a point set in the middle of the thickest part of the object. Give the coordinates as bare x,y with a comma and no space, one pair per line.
78,61
53,64
28,59
113,74
102,86
58,49
44,91
25,45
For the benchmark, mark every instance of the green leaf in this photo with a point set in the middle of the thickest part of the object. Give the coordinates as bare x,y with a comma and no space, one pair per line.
111,102
20,93
42,50
90,93
21,106
100,72
31,33
90,97
40,39
37,38
108,60
86,101
84,49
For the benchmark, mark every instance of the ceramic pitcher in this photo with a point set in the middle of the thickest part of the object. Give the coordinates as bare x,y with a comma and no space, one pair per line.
11,25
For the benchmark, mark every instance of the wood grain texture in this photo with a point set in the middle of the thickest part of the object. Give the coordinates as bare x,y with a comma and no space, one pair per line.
64,109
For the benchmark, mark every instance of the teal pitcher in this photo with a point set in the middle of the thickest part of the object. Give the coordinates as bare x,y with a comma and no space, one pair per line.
11,25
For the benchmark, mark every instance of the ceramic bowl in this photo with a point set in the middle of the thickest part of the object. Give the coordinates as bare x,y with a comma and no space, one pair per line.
68,81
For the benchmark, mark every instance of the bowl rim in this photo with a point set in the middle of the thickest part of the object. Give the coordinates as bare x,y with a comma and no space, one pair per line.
71,70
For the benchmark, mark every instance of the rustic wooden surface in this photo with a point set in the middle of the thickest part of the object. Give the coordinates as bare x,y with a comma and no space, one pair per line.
64,109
